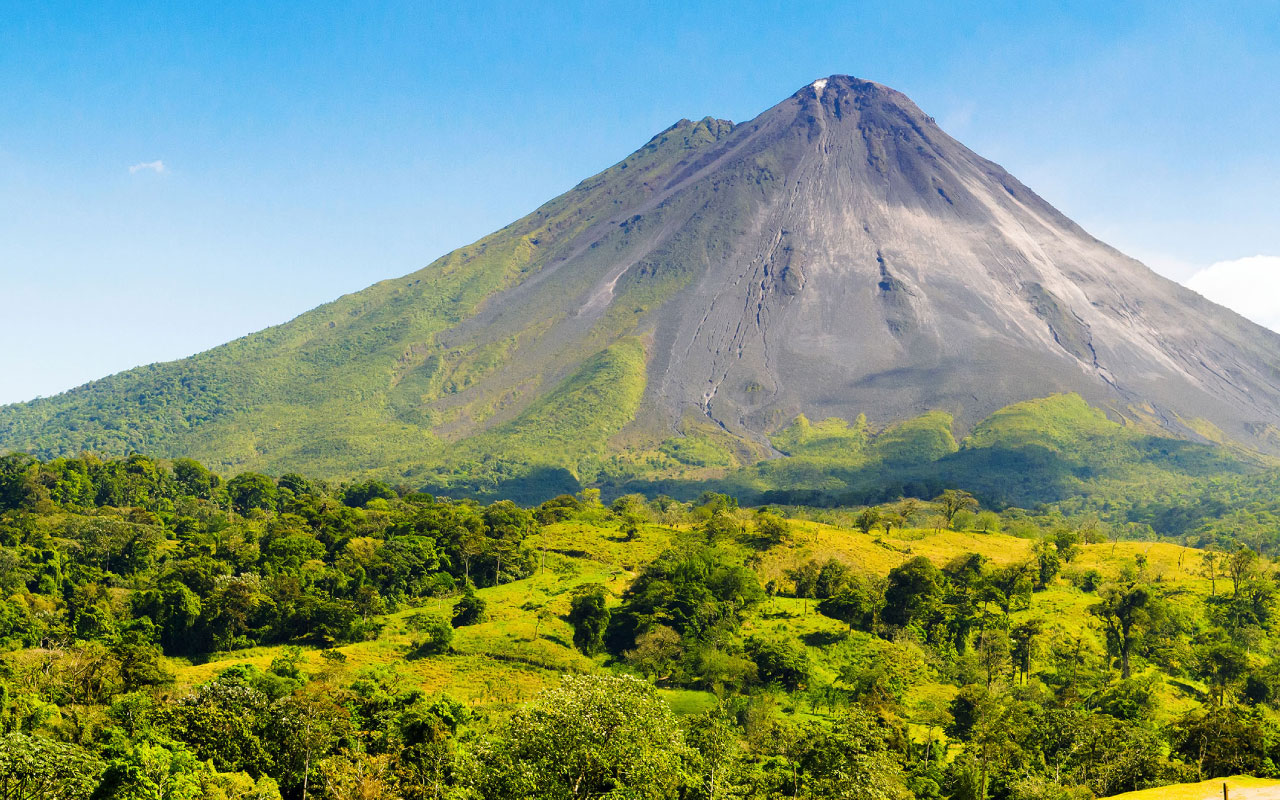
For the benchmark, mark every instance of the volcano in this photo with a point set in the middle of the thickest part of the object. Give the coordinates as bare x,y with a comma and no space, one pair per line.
837,256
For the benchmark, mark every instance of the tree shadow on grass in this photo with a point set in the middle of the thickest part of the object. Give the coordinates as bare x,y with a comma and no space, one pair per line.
823,638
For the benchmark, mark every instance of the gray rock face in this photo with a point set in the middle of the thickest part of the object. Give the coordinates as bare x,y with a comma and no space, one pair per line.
886,269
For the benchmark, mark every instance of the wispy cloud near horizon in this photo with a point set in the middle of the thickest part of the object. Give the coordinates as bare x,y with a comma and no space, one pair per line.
1249,286
156,166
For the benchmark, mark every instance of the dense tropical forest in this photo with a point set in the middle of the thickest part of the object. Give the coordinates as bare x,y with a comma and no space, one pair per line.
172,634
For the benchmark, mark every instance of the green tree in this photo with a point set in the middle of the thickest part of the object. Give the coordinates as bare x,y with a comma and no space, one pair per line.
1211,567
657,652
868,519
138,661
469,610
907,509
305,727
1010,586
193,478
224,722
1123,610
717,747
772,528
722,525
805,579
1219,662
358,495
1222,741
175,610
507,525
1067,542
833,578
1240,566
858,605
952,502
251,490
34,768
695,589
592,736
993,653
987,522
1022,645
850,758
913,592
589,615
357,775
1047,562
983,720
155,770
436,634
888,519
427,762
780,662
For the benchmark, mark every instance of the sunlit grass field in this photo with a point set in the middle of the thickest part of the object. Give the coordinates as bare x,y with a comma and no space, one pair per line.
1238,788
525,643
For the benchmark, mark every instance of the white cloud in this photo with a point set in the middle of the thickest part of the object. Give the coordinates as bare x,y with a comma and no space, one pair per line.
1249,286
156,166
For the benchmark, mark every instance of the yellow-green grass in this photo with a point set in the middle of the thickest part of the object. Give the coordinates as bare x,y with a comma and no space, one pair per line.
876,553
688,702
604,543
525,643
1164,561
1238,788
520,647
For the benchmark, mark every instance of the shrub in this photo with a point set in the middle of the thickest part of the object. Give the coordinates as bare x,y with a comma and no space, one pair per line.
469,610
437,635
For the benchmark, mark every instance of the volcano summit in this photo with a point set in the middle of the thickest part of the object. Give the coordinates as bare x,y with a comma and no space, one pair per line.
839,255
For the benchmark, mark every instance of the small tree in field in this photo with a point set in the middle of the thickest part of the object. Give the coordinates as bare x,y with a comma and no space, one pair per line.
469,610
952,502
589,616
772,528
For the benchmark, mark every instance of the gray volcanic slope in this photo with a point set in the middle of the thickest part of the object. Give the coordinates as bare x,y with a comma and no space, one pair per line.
851,257
837,255
895,271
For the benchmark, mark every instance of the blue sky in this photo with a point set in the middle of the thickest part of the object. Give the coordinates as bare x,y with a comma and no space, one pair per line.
175,175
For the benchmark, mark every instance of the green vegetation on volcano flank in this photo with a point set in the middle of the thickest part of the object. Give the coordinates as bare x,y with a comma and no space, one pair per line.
360,381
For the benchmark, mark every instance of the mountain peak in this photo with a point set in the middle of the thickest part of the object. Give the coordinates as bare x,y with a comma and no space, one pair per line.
850,89
844,82
837,255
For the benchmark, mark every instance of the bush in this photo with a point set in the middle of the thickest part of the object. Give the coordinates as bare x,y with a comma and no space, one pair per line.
469,610
589,616
437,635
1086,580
360,494
784,663
987,522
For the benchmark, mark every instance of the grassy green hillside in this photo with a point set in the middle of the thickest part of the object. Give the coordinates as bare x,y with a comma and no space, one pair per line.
553,446
1053,450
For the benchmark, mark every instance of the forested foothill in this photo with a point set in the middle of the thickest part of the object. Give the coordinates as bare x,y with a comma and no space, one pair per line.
169,633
